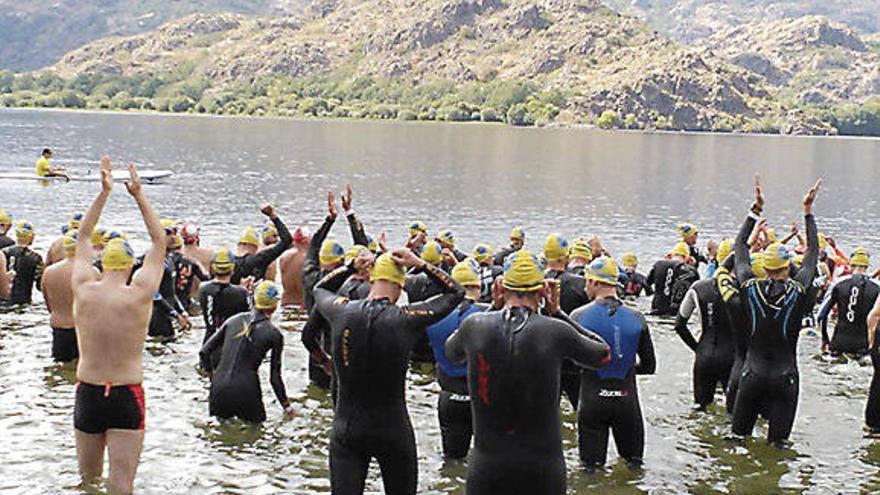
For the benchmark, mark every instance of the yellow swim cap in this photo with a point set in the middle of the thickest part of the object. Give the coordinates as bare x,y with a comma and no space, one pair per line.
630,260
69,242
353,252
416,228
168,224
97,237
724,250
268,231
386,269
5,219
777,257
757,260
518,234
446,237
331,253
222,263
603,270
117,255
372,245
823,242
680,249
75,220
523,272
248,236
771,235
433,253
798,260
482,253
266,295
860,257
581,249
556,247
24,230
465,273
687,230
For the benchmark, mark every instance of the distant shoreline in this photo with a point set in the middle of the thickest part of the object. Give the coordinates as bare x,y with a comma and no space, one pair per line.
499,125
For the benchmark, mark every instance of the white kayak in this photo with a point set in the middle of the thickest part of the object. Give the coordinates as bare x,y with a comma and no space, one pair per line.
147,176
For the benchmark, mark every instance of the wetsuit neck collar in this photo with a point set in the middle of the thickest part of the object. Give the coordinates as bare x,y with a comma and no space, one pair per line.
258,316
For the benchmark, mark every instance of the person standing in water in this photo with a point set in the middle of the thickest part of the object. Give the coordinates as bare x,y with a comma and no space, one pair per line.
854,295
26,263
219,300
517,241
111,320
58,293
514,359
249,260
5,226
670,280
291,265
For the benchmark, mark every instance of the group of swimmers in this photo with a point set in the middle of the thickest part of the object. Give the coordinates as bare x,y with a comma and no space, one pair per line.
510,333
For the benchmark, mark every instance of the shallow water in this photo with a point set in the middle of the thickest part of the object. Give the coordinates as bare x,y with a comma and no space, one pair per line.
630,189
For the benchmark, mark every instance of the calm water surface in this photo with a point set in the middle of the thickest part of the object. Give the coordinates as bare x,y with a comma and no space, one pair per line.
630,189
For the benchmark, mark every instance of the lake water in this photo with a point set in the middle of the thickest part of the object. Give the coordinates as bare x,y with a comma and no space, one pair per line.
629,189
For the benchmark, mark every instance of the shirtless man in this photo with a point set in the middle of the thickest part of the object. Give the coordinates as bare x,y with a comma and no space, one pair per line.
5,278
56,250
291,264
58,294
111,319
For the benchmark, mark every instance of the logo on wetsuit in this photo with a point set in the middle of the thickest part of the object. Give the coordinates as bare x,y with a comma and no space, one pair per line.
667,287
851,307
483,369
346,335
614,394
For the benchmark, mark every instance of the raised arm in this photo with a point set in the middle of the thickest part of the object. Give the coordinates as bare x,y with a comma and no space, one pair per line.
83,258
150,275
434,309
358,235
688,305
741,251
807,273
264,258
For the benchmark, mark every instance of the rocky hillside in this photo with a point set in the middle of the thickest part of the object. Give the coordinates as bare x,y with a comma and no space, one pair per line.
807,61
36,33
521,61
691,20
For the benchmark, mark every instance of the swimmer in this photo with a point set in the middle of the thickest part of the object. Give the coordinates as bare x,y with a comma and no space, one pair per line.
192,248
249,260
187,273
670,280
372,339
5,279
517,241
45,169
291,267
26,263
689,233
446,239
854,295
609,395
418,237
872,408
636,283
514,358
166,307
358,285
487,270
5,227
453,403
58,293
770,381
421,286
243,341
109,410
219,299
56,250
580,257
268,238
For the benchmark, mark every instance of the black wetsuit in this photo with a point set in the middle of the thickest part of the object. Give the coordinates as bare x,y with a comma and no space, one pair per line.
514,361
355,289
636,283
502,255
580,271
728,287
316,331
219,302
245,339
572,295
186,272
28,267
609,395
372,341
774,310
854,296
872,408
487,275
255,264
5,242
715,350
419,286
166,306
697,255
670,280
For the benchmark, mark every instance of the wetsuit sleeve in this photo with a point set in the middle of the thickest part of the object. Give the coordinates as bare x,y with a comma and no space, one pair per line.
807,273
422,314
646,286
584,348
358,234
825,311
647,360
684,314
210,346
325,291
203,304
312,264
454,346
310,334
741,251
198,272
262,259
275,370
649,280
38,271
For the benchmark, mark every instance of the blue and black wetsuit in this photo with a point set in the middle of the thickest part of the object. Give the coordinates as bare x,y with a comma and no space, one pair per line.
572,295
372,340
609,395
670,280
186,272
419,286
714,351
219,302
256,264
166,306
854,296
514,359
453,403
244,340
774,309
28,267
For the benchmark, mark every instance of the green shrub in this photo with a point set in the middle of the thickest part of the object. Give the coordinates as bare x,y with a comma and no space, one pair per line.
72,99
489,114
518,115
608,120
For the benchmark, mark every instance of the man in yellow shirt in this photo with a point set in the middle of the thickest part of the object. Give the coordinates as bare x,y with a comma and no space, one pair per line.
44,169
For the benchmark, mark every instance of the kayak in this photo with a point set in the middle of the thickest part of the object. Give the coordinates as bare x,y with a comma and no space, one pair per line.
147,176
